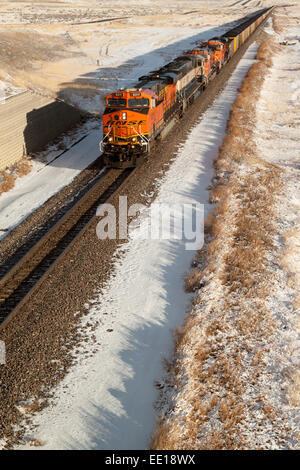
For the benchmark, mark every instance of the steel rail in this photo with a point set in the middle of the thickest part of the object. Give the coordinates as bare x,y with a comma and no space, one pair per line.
21,280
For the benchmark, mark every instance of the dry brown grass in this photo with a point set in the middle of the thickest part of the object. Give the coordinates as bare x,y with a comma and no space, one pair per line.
213,348
293,392
291,250
7,181
34,442
8,176
278,23
192,281
287,261
23,167
33,407
161,432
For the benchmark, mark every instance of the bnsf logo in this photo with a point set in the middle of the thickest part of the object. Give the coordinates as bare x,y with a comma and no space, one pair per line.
123,123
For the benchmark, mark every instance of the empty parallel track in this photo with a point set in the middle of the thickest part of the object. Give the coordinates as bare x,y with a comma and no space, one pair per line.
19,277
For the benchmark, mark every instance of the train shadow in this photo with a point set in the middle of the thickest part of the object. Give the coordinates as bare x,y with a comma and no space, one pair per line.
89,90
87,93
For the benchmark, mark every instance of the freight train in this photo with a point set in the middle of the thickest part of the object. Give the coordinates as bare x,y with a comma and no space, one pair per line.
135,117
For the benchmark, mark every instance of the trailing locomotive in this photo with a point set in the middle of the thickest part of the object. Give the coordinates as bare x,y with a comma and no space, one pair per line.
135,117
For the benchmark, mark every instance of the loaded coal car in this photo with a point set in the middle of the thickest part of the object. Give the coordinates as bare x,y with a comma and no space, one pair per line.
238,35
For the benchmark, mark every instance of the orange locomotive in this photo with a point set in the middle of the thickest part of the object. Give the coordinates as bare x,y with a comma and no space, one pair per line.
135,117
126,122
131,121
218,49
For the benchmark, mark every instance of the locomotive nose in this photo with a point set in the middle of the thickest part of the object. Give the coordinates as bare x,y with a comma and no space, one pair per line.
120,116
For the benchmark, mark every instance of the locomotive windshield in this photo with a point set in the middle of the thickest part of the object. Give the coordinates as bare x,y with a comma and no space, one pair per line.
133,102
116,102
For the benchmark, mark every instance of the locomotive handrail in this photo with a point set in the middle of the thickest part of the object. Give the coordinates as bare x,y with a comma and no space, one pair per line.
141,136
101,141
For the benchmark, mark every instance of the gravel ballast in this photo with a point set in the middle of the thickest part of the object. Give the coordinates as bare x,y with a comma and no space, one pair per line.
41,341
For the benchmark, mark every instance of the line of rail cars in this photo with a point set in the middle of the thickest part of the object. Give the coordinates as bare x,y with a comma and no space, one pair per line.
135,117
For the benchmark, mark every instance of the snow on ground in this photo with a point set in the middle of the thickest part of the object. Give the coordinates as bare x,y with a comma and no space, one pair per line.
100,65
7,90
106,401
121,64
278,109
47,178
47,50
238,361
278,138
127,63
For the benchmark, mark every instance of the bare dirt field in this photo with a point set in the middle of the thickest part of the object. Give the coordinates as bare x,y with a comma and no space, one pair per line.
80,51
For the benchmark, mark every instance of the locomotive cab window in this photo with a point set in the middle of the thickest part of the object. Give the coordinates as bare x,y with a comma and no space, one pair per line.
134,102
116,102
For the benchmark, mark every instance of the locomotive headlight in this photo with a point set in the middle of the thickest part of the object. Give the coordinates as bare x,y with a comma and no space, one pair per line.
133,139
110,139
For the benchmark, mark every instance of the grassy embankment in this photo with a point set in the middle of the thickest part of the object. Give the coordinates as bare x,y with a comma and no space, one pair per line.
220,379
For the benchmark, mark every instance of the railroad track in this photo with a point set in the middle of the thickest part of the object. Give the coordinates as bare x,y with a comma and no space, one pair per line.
55,207
20,277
